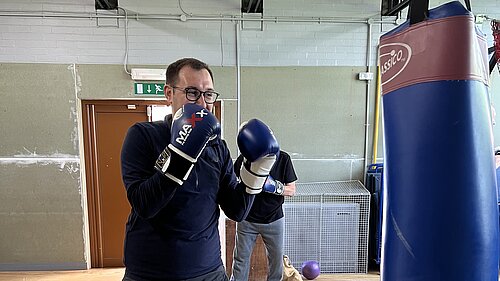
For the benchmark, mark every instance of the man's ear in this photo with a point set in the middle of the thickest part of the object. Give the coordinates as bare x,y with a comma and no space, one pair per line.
167,90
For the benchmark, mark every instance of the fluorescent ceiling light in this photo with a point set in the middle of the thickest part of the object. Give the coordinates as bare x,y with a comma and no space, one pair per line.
148,74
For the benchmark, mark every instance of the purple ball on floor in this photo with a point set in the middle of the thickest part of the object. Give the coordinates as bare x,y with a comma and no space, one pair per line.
310,269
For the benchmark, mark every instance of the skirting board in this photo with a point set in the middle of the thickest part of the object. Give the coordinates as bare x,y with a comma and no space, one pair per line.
42,266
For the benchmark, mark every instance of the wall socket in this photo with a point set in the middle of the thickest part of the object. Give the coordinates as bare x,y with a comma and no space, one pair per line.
365,76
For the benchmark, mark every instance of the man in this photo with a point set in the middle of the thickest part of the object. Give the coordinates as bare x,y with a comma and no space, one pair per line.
265,218
177,173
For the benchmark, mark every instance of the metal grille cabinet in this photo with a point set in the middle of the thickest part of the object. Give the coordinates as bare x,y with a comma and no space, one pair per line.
328,222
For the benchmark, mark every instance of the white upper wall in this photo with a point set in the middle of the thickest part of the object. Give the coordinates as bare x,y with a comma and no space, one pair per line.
295,32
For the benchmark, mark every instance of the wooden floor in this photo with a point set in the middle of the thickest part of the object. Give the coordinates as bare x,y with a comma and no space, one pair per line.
116,274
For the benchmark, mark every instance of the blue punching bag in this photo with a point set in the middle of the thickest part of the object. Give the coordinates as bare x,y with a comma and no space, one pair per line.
440,212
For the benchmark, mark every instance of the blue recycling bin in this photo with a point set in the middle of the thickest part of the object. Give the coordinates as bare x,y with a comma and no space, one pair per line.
374,184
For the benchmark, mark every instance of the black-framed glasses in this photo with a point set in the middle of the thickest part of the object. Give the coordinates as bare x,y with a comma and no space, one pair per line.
193,94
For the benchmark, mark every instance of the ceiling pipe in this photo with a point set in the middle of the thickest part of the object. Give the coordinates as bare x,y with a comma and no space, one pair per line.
232,18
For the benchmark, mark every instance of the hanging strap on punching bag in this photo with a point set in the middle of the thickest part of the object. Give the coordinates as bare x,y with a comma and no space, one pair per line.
467,4
418,11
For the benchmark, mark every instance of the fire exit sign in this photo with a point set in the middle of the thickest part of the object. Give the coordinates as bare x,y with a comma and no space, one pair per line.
148,89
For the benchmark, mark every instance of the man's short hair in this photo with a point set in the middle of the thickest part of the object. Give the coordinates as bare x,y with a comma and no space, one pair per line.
172,75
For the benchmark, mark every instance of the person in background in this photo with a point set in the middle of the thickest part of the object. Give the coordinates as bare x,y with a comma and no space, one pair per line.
178,172
265,218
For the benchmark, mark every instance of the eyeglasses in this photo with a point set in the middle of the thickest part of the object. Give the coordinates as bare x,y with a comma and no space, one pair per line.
193,94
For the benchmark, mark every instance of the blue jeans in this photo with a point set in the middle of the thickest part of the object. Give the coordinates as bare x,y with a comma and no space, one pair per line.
246,235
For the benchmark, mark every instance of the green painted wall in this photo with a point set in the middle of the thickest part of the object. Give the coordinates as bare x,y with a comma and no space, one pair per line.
41,210
317,114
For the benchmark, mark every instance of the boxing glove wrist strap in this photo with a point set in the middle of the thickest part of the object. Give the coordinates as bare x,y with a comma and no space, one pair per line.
252,181
173,165
273,186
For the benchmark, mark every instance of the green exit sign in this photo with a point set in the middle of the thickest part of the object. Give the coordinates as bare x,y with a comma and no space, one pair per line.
148,89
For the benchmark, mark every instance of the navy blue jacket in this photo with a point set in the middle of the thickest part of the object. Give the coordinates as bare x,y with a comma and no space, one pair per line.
172,231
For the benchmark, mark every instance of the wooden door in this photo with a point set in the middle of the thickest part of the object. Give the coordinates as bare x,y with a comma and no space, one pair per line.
106,127
105,124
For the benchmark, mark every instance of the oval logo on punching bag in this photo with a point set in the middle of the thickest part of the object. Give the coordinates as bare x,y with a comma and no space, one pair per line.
394,57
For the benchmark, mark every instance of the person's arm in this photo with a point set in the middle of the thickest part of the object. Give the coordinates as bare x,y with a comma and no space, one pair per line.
289,176
233,198
259,149
148,191
289,189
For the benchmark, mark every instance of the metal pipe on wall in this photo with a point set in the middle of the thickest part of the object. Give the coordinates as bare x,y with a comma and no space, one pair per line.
367,100
238,80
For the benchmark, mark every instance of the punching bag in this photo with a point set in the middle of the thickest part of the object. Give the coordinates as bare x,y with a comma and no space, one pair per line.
440,212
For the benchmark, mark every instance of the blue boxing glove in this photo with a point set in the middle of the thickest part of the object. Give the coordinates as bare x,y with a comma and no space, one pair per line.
259,148
273,186
192,128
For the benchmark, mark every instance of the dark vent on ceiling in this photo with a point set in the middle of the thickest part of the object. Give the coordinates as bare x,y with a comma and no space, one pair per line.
252,6
106,4
393,7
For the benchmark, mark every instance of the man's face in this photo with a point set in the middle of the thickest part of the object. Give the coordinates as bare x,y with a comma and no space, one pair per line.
189,78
